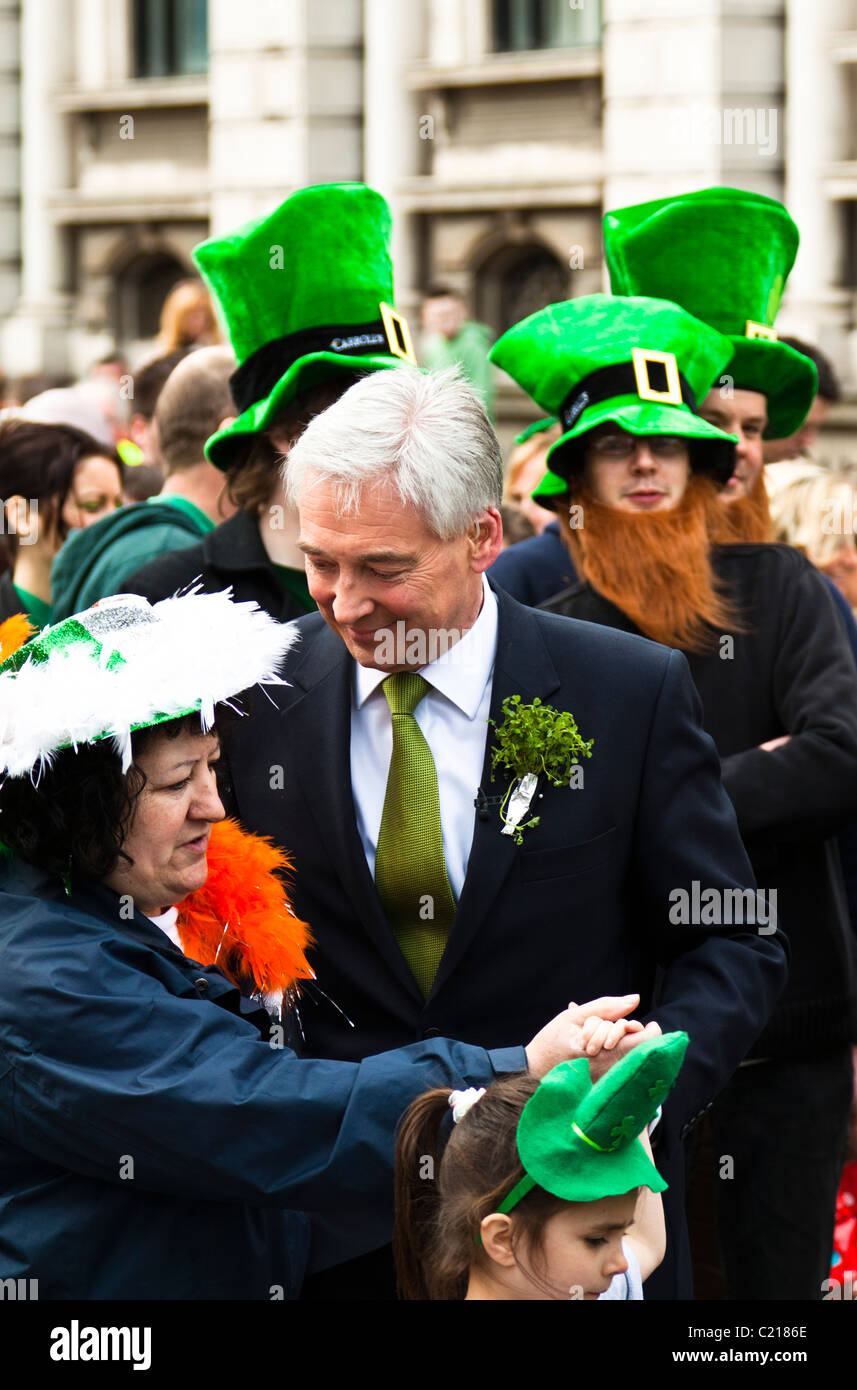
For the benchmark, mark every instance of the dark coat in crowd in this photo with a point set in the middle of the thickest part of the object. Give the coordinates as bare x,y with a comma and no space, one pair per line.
155,1141
791,673
579,910
535,569
230,556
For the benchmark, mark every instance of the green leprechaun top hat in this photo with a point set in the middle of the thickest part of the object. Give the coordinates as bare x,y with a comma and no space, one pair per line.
580,1141
641,364
307,294
724,255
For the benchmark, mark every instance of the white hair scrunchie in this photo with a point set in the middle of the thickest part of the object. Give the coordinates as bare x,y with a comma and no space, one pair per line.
461,1101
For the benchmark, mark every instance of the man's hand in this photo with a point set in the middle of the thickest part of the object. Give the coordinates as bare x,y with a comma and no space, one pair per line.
774,743
559,1040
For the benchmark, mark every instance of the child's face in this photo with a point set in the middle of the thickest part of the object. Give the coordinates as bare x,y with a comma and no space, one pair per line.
581,1250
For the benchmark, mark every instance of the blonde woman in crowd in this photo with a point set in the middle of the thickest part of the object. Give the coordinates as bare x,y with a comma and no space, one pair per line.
187,318
813,508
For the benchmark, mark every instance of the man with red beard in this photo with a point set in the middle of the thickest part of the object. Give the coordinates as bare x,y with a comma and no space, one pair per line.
636,496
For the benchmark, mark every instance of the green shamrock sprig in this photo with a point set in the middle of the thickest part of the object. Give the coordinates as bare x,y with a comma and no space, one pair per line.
536,739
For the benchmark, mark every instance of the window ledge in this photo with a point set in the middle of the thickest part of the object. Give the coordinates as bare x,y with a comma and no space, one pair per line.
71,207
557,65
839,179
135,93
426,194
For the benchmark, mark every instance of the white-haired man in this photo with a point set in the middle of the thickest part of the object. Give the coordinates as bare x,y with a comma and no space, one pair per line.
374,768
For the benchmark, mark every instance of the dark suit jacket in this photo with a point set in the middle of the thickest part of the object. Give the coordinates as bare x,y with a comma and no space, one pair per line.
580,909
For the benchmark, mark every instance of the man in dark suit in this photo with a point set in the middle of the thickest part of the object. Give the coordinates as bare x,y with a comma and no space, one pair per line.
428,917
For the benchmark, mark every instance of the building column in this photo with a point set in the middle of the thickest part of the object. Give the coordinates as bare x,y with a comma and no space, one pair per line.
816,305
392,129
34,338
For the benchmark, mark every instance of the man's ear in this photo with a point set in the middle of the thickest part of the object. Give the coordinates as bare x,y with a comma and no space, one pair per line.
496,1233
486,539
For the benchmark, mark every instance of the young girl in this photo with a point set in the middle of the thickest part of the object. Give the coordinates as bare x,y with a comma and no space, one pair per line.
538,1184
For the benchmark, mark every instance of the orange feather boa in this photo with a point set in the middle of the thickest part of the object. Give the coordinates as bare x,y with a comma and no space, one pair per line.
241,918
14,633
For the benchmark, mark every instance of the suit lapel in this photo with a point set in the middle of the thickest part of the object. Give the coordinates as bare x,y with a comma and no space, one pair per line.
523,666
323,770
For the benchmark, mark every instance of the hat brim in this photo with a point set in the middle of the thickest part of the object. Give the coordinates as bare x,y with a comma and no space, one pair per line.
578,1179
312,370
713,454
537,427
786,378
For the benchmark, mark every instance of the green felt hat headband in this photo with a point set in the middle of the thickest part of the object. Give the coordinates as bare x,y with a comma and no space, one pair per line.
124,665
579,1141
724,255
306,293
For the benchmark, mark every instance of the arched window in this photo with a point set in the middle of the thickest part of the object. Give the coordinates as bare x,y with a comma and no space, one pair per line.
139,293
516,281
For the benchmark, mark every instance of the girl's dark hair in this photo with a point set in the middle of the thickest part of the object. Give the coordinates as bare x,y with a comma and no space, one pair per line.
442,1198
76,817
38,462
250,477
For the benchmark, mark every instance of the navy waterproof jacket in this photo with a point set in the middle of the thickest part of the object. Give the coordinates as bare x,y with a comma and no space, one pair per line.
153,1143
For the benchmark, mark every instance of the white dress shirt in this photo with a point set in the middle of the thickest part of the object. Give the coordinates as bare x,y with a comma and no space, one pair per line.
453,717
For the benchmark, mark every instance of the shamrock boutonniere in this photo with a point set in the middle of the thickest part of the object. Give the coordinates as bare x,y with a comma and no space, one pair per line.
533,741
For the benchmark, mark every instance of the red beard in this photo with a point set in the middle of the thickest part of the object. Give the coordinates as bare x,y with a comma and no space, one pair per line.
745,521
656,566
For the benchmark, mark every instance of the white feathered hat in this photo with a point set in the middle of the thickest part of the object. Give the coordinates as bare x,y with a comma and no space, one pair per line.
126,664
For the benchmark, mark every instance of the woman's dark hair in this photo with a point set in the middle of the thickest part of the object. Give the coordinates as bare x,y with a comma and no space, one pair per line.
443,1197
38,462
250,477
76,817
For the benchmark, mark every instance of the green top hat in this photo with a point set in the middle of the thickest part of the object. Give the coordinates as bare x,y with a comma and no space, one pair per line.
641,364
581,1142
307,294
724,255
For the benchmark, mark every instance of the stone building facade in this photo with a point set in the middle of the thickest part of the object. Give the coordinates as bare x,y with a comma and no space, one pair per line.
498,129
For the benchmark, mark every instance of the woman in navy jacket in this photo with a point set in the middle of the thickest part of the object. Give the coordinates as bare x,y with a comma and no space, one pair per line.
158,1139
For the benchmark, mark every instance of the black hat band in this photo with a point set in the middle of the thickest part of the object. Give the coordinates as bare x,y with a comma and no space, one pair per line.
623,379
256,378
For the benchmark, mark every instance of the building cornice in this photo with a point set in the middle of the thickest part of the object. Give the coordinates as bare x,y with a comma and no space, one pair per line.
70,208
145,93
427,195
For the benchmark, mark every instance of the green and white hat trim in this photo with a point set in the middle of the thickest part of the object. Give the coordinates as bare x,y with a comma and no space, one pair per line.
126,664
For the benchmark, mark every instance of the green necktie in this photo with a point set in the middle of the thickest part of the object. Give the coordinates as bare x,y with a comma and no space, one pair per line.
410,873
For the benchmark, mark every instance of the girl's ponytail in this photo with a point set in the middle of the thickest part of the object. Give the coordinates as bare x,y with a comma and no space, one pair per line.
418,1151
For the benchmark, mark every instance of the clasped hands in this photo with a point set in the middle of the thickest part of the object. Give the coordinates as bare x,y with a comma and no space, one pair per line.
599,1031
